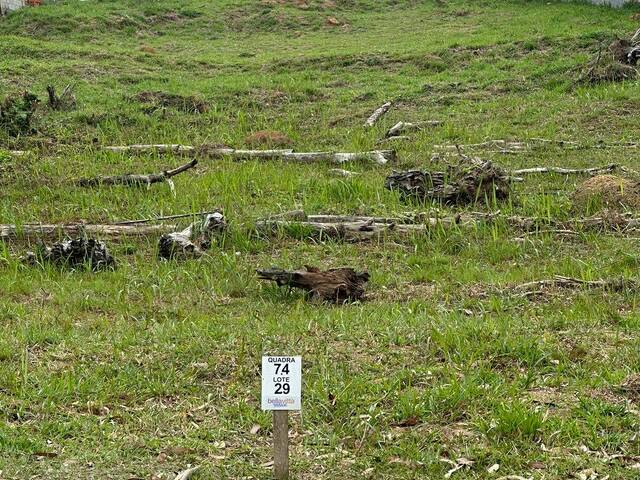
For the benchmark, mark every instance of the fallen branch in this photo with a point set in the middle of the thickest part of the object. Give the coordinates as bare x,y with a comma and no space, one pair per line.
378,156
166,217
336,285
136,180
375,116
403,127
112,232
187,474
568,282
338,172
358,228
568,171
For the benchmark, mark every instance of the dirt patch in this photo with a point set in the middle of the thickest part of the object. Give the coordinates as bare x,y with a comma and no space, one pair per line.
268,138
184,103
606,191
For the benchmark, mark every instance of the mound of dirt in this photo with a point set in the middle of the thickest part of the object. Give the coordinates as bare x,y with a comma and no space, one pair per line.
268,138
606,191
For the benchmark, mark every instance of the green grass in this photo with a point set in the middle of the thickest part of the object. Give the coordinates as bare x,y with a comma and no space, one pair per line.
144,370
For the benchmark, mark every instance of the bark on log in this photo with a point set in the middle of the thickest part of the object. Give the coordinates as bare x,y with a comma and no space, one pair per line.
136,179
157,148
375,116
193,240
337,285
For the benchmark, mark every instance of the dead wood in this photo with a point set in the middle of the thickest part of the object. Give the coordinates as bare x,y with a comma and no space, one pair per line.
403,127
136,179
568,171
56,231
65,101
74,254
375,116
377,156
165,217
537,287
474,181
193,240
361,228
186,474
338,172
337,285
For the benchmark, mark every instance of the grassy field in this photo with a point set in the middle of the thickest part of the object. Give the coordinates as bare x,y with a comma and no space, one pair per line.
139,372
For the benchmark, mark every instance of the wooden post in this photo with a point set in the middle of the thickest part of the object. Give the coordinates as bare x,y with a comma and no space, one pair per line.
281,444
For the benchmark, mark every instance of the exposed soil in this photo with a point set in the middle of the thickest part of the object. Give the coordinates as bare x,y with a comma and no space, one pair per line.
184,103
268,138
606,191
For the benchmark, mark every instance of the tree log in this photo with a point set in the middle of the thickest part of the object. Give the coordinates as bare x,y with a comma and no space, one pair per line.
136,179
375,116
378,156
337,285
111,232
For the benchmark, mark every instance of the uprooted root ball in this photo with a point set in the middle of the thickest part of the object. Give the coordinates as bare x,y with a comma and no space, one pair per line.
74,254
464,184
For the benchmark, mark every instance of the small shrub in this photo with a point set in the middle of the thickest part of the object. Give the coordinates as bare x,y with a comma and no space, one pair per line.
16,114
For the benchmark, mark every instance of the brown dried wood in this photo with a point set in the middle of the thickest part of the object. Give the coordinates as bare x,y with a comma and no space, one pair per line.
336,285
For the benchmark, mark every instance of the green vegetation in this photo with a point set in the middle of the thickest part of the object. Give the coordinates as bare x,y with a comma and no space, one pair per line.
143,370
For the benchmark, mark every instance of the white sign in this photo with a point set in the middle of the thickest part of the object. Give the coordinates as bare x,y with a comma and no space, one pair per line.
281,383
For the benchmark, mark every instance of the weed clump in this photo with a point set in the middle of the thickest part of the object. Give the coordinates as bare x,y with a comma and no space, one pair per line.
184,103
16,114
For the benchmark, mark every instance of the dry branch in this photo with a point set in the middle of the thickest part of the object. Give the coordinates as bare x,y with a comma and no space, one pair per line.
65,101
112,232
534,288
360,228
336,285
187,474
378,156
165,217
136,179
568,171
375,116
403,127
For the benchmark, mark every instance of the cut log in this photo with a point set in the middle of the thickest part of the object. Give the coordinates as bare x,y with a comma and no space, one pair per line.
403,127
111,232
74,254
375,116
186,474
337,285
136,179
466,184
193,240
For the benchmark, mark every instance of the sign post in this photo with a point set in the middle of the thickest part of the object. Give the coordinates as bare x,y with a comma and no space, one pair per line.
281,392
